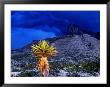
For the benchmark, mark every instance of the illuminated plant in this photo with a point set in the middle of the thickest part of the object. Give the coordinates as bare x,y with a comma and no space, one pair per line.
42,51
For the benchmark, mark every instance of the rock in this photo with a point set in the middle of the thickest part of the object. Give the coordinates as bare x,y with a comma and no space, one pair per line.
62,73
15,74
72,51
84,74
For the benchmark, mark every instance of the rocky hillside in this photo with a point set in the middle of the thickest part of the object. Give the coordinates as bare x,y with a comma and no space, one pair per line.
78,56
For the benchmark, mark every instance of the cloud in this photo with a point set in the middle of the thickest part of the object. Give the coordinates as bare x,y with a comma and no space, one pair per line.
59,19
32,25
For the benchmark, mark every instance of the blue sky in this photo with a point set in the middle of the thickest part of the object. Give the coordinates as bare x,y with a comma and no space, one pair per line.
27,26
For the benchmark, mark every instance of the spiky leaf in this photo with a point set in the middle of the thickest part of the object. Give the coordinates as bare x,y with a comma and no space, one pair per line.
43,49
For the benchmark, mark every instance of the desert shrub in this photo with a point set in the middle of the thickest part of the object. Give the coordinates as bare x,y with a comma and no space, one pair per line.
91,66
26,74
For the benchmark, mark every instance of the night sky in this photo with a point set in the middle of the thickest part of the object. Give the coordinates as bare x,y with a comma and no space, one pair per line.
27,26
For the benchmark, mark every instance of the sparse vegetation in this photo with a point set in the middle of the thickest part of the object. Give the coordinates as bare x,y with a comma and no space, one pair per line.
26,74
74,57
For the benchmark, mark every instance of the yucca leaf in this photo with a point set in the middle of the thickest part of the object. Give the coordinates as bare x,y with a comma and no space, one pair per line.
43,49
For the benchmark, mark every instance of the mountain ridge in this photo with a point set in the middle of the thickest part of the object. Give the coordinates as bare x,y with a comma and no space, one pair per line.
77,56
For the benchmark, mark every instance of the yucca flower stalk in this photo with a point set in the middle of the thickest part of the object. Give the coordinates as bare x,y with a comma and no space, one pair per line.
42,51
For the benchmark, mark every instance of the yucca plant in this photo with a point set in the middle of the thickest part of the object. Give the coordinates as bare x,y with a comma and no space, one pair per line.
42,51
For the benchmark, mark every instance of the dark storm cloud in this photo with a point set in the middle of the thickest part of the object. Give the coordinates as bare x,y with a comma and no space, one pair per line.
33,25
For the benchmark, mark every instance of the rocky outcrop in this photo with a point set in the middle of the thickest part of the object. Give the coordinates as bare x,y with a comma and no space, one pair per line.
77,56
